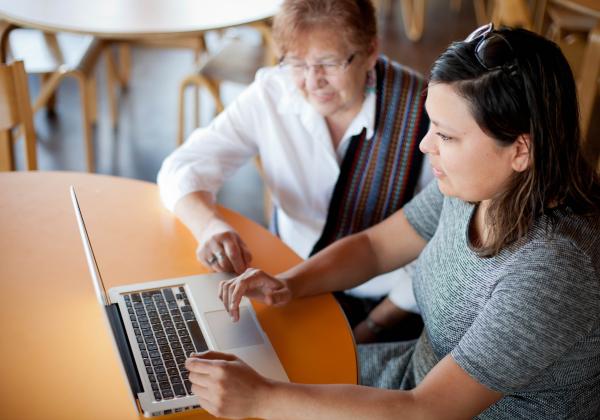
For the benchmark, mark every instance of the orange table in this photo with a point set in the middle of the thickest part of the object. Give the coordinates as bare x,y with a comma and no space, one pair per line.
57,357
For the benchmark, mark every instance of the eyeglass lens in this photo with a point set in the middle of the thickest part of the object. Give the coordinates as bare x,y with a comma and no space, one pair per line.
493,51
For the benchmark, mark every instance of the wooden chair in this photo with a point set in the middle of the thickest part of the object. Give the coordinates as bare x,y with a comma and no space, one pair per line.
238,61
587,84
54,57
15,110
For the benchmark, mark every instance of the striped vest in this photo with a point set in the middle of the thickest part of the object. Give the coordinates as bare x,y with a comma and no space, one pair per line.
378,175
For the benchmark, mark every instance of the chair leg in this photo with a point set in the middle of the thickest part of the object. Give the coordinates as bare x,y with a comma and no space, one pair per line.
92,98
196,104
481,14
7,162
214,89
111,77
413,18
86,120
124,65
181,114
51,102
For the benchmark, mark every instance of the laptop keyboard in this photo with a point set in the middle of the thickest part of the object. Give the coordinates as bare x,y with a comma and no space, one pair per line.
167,332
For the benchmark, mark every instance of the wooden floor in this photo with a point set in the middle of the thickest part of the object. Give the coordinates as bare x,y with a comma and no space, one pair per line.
146,130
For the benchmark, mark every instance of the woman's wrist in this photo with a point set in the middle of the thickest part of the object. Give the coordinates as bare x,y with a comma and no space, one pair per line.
373,326
269,396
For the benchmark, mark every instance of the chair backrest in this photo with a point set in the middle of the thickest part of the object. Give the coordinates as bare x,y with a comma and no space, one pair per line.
15,111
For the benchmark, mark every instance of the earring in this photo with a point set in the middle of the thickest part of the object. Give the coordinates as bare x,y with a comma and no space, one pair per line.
371,82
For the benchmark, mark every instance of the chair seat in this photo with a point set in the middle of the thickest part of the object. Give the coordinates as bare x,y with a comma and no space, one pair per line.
237,62
43,53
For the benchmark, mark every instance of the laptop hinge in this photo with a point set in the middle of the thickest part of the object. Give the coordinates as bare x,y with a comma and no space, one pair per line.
116,323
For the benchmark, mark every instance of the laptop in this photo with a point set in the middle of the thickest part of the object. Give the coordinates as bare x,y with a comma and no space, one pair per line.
157,324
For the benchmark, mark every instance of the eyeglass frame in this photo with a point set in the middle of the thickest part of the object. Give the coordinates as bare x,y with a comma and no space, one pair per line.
486,33
319,66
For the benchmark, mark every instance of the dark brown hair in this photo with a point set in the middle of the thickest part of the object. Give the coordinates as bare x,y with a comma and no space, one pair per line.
353,20
532,95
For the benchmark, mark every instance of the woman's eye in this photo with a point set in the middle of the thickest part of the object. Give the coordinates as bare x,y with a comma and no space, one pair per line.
443,137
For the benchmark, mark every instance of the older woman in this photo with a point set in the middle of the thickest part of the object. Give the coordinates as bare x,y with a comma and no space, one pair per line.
508,275
336,128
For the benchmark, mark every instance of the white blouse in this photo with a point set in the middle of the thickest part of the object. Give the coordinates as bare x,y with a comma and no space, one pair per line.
272,119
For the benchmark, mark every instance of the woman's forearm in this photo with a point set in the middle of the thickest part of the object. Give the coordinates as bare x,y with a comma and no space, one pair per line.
299,401
342,265
195,210
356,258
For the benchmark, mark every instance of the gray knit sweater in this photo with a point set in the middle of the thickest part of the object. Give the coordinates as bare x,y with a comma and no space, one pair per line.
525,322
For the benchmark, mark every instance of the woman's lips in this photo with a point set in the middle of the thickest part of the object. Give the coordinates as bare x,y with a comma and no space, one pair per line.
321,97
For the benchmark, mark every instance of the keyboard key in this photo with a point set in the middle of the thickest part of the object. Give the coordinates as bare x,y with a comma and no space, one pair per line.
168,294
189,316
167,395
136,297
157,396
179,390
197,337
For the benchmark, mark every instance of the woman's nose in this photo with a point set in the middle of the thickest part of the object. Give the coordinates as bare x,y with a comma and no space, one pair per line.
313,78
428,144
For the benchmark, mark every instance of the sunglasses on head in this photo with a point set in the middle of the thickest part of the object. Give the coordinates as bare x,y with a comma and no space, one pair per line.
493,50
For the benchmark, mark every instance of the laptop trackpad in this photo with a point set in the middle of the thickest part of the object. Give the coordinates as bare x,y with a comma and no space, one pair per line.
231,335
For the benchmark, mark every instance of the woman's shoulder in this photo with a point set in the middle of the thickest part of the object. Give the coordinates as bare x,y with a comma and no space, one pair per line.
567,241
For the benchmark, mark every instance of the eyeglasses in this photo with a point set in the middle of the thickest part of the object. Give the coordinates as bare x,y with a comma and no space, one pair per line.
493,50
331,69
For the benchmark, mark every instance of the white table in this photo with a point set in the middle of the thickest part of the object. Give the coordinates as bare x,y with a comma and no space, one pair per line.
135,19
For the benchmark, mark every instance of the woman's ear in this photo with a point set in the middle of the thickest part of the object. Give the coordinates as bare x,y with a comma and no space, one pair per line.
373,53
522,157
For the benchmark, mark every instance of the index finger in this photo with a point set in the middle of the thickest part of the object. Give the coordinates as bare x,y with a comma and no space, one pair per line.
235,255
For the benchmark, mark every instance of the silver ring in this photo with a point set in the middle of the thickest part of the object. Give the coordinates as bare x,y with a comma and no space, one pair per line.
217,256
